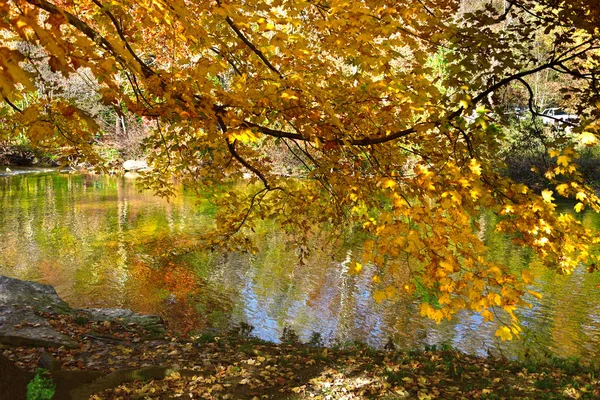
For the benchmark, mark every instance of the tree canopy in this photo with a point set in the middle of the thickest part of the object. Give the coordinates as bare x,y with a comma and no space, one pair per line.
388,114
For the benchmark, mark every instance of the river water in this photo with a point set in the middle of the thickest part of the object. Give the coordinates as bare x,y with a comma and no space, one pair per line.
101,242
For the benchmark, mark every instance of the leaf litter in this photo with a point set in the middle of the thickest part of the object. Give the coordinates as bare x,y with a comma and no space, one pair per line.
241,367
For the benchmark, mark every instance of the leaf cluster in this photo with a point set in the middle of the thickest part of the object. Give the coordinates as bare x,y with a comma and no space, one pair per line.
387,112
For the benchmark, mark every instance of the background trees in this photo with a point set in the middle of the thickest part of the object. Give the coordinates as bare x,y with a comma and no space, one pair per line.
391,111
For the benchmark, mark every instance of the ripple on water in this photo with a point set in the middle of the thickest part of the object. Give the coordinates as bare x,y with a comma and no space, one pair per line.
101,242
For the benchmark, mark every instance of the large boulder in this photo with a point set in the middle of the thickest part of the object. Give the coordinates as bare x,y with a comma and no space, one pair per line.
135,165
38,296
21,324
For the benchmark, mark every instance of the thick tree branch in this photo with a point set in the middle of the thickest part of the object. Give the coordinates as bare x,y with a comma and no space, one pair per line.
369,141
341,142
554,63
234,153
534,112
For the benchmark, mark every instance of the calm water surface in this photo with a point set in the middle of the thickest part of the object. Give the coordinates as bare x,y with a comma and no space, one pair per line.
102,242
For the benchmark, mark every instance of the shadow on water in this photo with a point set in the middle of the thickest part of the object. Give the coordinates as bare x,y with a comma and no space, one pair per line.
103,243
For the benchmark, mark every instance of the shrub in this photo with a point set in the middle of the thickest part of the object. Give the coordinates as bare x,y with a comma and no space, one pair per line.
41,386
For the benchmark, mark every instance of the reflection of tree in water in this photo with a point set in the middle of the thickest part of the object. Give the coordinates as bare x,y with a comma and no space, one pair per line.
570,312
399,313
175,291
346,305
101,243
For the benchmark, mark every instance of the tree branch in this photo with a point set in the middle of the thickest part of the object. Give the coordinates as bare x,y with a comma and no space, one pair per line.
250,45
146,70
234,153
229,61
341,142
12,105
79,25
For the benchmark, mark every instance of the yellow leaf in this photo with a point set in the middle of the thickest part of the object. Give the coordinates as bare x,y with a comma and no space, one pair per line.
358,267
376,279
547,195
389,184
527,276
563,160
535,294
587,138
444,299
562,189
504,333
289,95
244,135
581,196
475,167
379,296
578,207
487,315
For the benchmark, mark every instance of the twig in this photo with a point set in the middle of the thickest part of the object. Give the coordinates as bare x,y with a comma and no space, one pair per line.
12,105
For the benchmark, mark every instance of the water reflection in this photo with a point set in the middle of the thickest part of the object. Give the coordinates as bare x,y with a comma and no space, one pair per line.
102,242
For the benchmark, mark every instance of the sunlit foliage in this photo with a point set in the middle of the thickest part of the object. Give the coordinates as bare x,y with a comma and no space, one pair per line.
385,112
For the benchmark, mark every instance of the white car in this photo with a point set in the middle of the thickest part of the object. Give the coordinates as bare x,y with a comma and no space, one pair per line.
551,116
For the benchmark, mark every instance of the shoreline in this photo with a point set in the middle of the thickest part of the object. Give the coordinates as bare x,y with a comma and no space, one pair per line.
235,366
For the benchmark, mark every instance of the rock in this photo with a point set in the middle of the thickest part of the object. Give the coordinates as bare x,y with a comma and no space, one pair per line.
152,323
38,296
135,165
21,325
131,175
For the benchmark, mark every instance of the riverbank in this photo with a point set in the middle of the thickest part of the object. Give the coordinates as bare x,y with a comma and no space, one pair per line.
235,366
24,155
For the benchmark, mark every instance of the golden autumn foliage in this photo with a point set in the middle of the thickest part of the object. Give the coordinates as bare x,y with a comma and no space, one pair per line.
387,109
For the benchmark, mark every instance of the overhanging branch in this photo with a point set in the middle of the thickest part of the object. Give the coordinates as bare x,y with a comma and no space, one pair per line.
146,70
250,45
341,142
